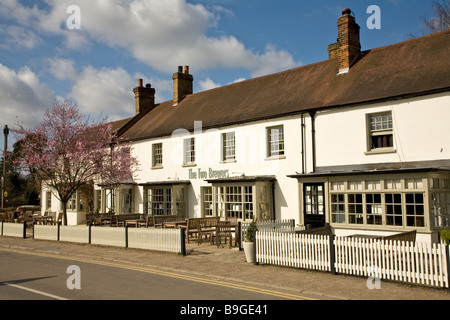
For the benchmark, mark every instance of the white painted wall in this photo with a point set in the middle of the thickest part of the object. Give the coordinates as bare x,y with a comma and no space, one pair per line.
421,132
251,159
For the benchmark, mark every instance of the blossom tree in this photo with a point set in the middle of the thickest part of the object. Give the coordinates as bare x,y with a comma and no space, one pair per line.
67,152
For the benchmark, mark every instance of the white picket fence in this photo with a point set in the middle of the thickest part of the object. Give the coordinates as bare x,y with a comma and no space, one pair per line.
293,250
283,225
418,263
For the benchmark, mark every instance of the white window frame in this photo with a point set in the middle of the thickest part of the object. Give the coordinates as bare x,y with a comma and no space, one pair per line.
189,151
157,155
276,142
165,200
229,147
392,208
380,124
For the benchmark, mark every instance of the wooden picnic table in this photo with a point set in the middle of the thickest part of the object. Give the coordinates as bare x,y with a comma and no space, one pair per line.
175,224
41,219
135,222
100,221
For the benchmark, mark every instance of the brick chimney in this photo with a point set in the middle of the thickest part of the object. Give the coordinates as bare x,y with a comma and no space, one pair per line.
145,97
347,48
182,84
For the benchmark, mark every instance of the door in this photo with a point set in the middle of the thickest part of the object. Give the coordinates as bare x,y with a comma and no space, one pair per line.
314,205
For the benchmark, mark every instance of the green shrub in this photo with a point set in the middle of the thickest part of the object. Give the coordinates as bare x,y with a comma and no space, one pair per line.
252,228
445,236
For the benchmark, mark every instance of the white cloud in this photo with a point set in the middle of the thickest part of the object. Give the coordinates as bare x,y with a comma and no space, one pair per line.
271,61
107,92
19,37
62,69
161,33
207,84
24,98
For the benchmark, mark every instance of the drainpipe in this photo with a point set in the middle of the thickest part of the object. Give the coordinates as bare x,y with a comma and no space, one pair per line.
303,136
313,139
273,199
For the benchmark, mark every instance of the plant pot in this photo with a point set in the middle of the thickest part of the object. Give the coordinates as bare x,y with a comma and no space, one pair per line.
249,250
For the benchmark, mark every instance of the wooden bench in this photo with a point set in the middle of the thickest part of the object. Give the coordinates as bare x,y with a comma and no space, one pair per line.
158,221
201,227
118,220
223,230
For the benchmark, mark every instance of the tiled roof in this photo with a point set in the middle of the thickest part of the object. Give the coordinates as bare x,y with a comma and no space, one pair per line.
407,69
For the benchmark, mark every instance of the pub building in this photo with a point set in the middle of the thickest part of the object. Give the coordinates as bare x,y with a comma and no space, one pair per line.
359,142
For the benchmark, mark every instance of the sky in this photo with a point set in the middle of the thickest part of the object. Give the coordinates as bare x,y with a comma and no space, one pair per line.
94,51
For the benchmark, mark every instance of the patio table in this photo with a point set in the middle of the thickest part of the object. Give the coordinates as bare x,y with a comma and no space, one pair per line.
135,222
40,219
100,221
175,224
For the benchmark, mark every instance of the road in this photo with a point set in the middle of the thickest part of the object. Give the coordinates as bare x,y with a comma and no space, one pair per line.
41,276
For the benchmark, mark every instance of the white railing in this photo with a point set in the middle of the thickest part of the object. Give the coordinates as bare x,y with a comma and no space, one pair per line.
78,234
45,232
168,240
115,237
419,263
10,229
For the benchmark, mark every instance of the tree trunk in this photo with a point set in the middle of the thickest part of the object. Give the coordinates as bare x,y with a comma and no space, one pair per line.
64,216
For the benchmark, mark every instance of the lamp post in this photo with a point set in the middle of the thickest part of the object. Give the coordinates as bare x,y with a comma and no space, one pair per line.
4,194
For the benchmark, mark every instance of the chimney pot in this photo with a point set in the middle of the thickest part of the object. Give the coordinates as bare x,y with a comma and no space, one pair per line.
347,48
182,84
346,11
145,97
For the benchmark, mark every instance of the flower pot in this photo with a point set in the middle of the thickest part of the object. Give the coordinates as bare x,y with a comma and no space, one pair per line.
249,250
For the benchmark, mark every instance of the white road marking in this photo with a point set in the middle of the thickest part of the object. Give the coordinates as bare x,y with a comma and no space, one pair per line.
35,291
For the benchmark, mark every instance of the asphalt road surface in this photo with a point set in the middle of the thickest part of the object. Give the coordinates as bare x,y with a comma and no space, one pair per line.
40,276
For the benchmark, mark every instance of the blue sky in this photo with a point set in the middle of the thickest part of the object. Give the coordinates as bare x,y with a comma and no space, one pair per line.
120,41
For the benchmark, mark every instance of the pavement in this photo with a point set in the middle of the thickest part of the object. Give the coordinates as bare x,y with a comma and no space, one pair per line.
226,264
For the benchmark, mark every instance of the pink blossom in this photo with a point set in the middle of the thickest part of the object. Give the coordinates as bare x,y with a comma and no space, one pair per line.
67,152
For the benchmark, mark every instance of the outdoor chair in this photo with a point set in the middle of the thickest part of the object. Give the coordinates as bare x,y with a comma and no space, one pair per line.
60,216
51,218
233,220
193,229
223,230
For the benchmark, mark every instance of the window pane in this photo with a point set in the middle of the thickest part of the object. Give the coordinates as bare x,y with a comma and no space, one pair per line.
157,154
415,209
189,151
228,146
373,208
381,135
276,141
